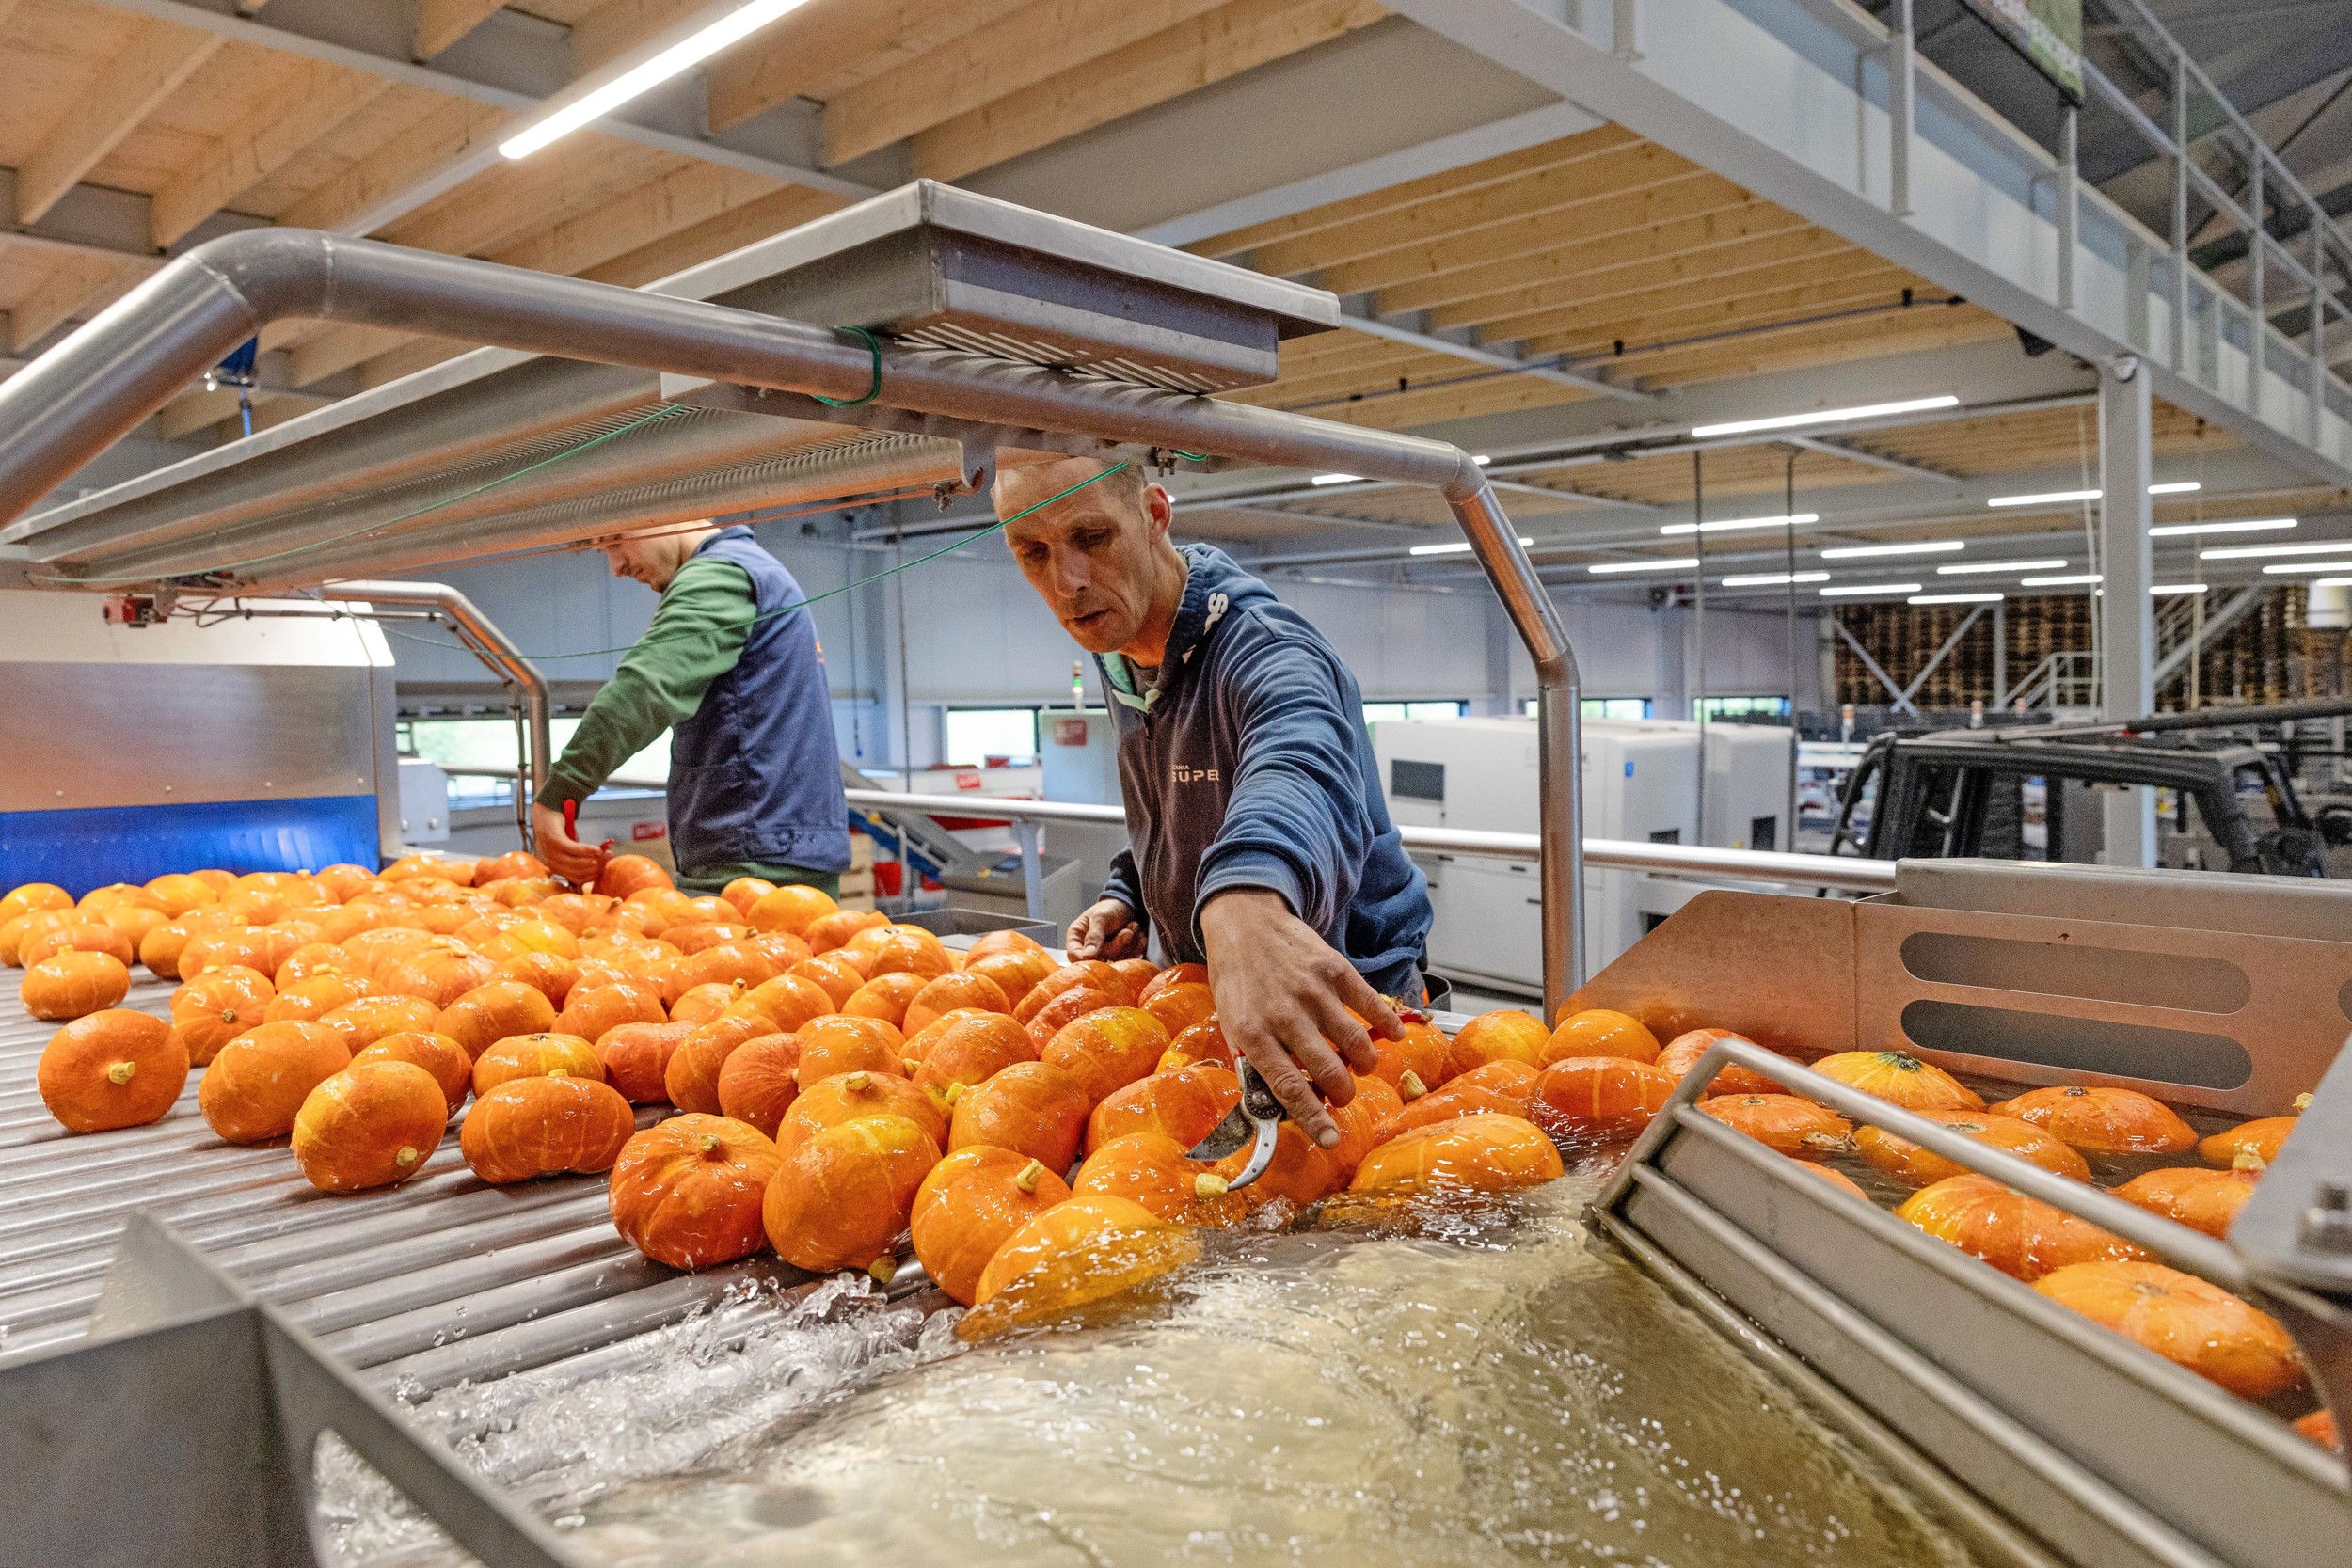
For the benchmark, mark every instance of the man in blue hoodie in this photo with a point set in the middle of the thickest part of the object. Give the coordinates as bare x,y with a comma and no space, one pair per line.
1259,840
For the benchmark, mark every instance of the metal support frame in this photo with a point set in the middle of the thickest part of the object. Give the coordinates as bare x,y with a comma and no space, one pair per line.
2233,610
1902,78
1902,701
2126,613
2181,162
2070,204
1937,658
1032,869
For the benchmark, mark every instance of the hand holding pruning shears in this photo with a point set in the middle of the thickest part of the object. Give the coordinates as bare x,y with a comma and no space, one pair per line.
558,844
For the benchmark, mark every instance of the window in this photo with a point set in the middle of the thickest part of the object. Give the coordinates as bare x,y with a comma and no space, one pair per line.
1733,707
1602,707
977,734
1376,712
481,743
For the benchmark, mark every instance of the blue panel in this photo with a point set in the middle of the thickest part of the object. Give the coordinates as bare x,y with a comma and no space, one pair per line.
89,848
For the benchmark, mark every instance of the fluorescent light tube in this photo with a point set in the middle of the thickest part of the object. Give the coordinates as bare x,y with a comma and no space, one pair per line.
1773,579
2047,498
2288,568
2063,581
2250,553
676,61
1679,564
2175,487
1841,592
1459,546
1972,568
2251,525
1956,598
1864,552
2165,590
1728,524
1825,416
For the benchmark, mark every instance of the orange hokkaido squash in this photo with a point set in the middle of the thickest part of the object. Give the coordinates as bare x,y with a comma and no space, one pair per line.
636,1058
2320,1428
1481,1153
370,1125
78,936
886,997
786,1001
368,1019
308,1001
316,960
535,1127
906,950
1505,1034
760,1080
918,1046
73,983
847,1096
1915,1166
1509,1076
1179,1007
2186,1321
1838,1178
438,976
1106,1048
2261,1138
160,949
2193,1195
1080,1251
1139,973
846,1042
255,1087
687,1191
1166,980
1202,1042
1015,973
833,974
1683,1051
225,946
951,991
492,1012
1424,1053
541,1055
691,1079
1599,1031
1300,1173
829,932
701,1004
589,1010
742,892
110,1068
725,963
1091,974
1182,1106
1598,1095
969,1049
844,1193
782,949
624,874
989,943
1066,1008
1153,1170
1782,1122
1900,1079
1457,1099
515,863
1032,1108
33,897
972,1201
217,1007
2105,1120
788,909
1359,1121
440,1055
2023,1237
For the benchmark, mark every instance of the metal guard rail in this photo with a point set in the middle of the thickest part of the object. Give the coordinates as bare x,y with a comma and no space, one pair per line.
1671,860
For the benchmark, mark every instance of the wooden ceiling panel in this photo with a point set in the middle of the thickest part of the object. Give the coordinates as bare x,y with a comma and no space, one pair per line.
361,135
235,84
51,54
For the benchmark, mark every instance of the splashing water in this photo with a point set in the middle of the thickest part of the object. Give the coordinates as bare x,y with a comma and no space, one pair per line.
1488,1389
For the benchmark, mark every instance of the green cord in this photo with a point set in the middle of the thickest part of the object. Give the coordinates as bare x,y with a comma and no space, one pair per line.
873,346
828,594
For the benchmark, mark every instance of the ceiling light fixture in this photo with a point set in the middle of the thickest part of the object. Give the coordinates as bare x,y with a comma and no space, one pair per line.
1840,592
2251,525
2047,498
1728,524
1825,416
1679,564
1459,546
2065,580
2165,590
2288,568
1972,568
2249,552
2175,487
680,57
1956,598
1864,552
1773,579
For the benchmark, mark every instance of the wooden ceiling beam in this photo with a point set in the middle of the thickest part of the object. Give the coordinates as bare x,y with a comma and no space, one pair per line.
617,26
1675,318
1042,40
317,98
1239,37
517,199
446,131
196,410
1436,404
161,56
441,23
1409,364
1492,171
1564,186
678,199
1967,324
1635,296
827,46
716,237
64,293
1623,265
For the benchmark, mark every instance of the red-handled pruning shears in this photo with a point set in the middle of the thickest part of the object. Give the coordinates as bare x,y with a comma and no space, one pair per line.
571,829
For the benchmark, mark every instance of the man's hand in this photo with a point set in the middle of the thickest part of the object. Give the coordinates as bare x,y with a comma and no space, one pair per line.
1107,931
1284,999
565,856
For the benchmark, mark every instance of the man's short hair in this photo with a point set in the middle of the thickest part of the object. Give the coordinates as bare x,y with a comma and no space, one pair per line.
1129,481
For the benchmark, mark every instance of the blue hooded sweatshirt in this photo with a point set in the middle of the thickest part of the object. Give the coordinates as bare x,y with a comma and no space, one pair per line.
1244,764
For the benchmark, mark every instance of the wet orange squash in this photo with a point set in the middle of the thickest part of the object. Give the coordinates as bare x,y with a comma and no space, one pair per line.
1457,1099
844,1192
636,1058
78,936
1153,1170
440,1055
515,863
1506,1076
970,1203
1599,1031
2023,1237
687,1191
759,1081
1138,973
725,963
1483,1153
1202,1042
906,950
2184,1319
110,1068
968,1049
1089,975
1179,1007
1598,1095
1083,1250
919,1043
160,949
948,992
988,943
847,1042
217,1007
2261,1139
1359,1121
2104,1120
1184,1106
1782,1122
73,983
2194,1196
1915,1166
701,1004
535,1127
787,1001
1032,1108
1423,1051
1300,1173
537,1055
692,1077
309,1001
832,974
624,874
1504,1035
438,976
1838,1178
1106,1048
829,932
256,1084
1015,973
370,1125
589,1010
1900,1079
2320,1428
744,892
1170,977
491,1012
1683,1051
33,897
847,1095
790,910
368,1019
886,997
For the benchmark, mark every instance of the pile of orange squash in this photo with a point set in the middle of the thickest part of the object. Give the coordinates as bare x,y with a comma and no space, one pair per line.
840,1082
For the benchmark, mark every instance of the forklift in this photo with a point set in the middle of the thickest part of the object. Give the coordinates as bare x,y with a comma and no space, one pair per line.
2226,799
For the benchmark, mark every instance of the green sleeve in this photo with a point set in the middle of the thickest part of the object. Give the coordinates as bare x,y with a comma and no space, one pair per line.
697,634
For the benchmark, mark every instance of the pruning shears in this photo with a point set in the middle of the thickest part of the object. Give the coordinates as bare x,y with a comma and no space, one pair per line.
571,829
1257,1121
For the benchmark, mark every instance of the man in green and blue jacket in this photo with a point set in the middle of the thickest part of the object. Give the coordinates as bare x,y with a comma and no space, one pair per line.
732,667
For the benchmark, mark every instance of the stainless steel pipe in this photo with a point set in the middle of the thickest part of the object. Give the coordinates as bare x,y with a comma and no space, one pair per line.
491,645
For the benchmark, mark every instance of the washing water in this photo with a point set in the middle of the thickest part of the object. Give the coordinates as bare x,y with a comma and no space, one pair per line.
1489,1387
